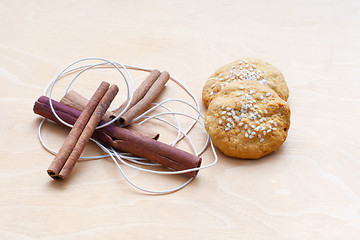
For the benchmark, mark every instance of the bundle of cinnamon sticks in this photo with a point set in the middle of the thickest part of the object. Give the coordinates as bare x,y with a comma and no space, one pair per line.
87,114
143,96
82,130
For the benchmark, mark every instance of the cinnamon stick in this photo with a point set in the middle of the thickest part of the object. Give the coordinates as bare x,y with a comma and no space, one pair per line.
78,102
139,92
76,131
122,139
144,102
88,131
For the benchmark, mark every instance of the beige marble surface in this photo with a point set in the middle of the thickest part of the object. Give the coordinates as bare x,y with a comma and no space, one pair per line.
309,189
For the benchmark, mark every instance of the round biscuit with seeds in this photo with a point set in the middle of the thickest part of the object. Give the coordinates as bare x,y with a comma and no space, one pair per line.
245,69
247,120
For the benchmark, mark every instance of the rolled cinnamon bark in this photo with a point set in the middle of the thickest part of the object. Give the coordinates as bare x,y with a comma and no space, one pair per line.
76,131
78,102
124,140
75,100
88,131
144,102
139,92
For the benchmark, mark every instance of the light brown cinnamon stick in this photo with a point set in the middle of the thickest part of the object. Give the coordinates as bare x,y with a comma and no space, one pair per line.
143,104
139,92
78,102
76,131
88,131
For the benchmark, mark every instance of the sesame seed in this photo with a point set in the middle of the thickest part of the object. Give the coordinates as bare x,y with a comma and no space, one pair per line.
229,113
269,130
212,93
213,85
251,91
268,94
246,134
265,111
228,108
223,112
275,124
223,117
274,129
259,136
251,136
271,121
228,124
257,122
261,97
261,120
223,106
242,87
246,126
249,131
257,128
220,121
253,133
229,120
227,129
264,133
261,140
241,123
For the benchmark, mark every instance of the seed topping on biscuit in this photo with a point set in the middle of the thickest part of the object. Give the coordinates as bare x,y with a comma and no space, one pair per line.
239,72
247,115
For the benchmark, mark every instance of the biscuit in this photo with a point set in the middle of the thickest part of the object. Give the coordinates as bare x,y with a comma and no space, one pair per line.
245,69
247,120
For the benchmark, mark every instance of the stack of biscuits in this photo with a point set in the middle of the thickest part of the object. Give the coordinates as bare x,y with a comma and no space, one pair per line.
248,116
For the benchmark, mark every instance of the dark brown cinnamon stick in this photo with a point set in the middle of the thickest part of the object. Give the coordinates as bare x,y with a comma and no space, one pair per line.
76,131
143,104
88,131
139,92
124,140
78,102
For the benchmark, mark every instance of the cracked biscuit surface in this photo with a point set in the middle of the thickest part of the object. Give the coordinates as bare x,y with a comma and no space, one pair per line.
247,120
245,69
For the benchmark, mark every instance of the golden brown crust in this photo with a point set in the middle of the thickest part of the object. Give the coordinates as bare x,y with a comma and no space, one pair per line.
245,69
247,120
